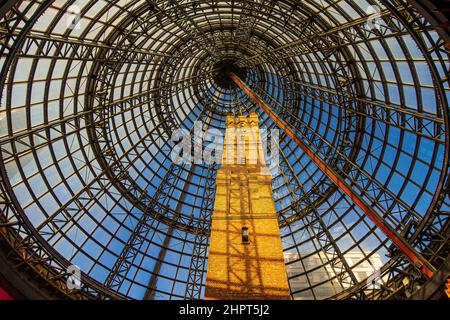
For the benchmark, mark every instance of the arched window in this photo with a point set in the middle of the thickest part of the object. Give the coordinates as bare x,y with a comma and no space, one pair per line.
245,235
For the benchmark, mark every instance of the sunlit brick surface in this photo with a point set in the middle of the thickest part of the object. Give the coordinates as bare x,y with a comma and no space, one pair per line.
237,270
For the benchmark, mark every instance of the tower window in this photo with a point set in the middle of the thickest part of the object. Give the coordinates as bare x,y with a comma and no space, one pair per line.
245,235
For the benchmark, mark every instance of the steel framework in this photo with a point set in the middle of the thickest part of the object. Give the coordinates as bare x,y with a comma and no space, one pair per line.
91,93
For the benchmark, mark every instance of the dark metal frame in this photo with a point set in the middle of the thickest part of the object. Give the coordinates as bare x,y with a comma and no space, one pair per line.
135,85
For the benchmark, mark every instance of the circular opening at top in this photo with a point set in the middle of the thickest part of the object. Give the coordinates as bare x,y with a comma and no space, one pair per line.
224,68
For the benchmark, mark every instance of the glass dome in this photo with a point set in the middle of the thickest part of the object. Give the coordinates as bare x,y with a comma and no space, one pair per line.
92,91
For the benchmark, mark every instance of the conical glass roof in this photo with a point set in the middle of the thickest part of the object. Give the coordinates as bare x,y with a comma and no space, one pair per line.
92,91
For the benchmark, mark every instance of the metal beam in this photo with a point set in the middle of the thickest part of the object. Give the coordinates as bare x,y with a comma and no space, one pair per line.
172,173
402,244
153,282
250,11
6,6
394,209
417,123
331,38
124,104
176,13
38,44
329,246
145,224
197,267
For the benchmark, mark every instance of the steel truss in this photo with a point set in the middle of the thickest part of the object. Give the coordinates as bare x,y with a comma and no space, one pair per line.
199,258
328,245
396,213
31,251
112,92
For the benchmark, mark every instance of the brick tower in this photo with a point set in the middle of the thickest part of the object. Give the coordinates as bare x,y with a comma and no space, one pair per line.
245,256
